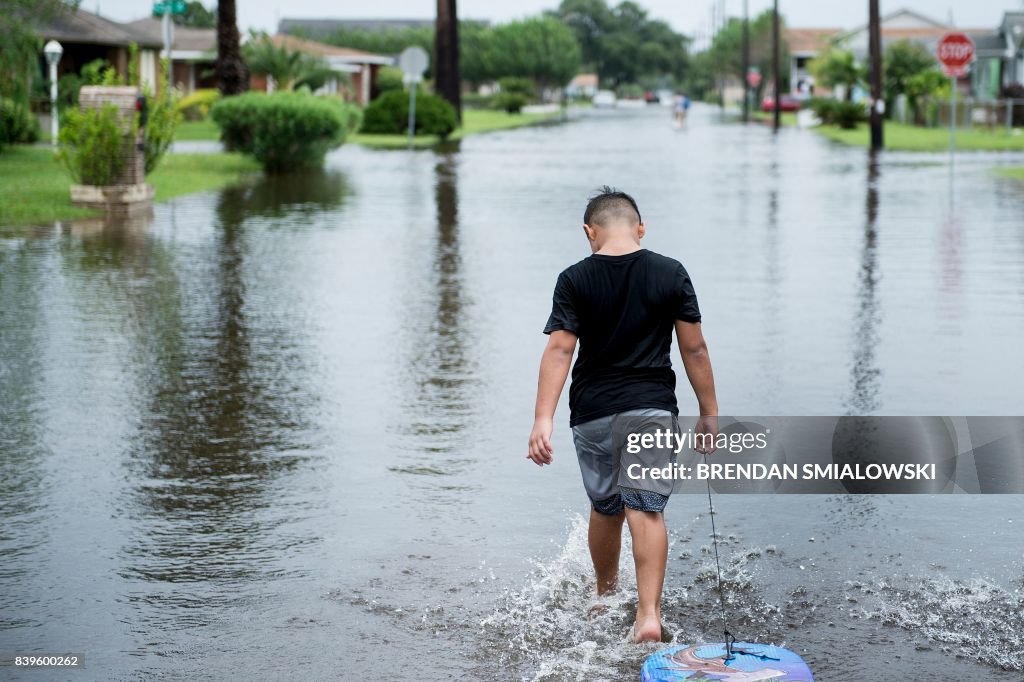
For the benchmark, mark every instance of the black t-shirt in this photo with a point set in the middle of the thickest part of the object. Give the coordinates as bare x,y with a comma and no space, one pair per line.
623,309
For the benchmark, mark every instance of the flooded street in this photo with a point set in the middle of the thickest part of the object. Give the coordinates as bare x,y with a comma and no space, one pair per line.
279,432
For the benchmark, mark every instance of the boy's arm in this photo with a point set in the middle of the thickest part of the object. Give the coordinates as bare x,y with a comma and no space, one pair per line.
697,363
554,368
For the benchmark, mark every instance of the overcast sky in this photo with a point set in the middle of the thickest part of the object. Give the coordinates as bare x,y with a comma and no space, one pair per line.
687,16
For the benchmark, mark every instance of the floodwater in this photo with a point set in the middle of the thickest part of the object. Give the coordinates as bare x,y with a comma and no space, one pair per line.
278,431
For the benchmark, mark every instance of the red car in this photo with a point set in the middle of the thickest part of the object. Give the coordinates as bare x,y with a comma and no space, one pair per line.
786,103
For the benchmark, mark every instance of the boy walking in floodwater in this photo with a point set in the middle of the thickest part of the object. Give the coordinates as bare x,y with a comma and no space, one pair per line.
621,303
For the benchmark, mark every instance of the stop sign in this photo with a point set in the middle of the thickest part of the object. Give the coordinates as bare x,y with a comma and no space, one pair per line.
753,78
955,51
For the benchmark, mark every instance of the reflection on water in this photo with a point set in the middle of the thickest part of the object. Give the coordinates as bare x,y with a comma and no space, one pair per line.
440,365
865,373
284,422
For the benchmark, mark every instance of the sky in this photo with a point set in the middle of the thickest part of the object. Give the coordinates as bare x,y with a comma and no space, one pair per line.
687,16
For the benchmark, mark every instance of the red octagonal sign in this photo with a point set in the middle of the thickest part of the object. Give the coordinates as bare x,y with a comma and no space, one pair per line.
955,51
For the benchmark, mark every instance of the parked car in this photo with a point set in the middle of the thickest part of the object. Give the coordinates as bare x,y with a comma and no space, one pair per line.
604,98
786,103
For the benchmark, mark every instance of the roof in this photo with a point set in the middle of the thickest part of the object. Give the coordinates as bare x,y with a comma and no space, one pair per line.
584,80
185,38
809,39
82,26
312,47
1011,20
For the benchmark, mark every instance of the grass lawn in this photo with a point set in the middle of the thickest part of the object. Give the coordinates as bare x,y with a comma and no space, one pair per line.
189,131
34,186
473,121
902,137
1015,173
788,118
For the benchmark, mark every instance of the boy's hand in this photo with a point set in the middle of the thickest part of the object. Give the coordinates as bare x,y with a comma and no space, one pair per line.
706,430
540,442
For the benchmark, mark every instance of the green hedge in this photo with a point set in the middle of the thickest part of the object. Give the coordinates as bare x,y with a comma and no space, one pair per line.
389,115
17,124
835,112
284,131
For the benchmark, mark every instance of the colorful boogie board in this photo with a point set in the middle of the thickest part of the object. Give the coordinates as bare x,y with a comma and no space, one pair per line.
751,662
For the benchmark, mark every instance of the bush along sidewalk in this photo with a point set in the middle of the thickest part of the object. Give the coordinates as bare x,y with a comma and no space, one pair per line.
389,115
284,131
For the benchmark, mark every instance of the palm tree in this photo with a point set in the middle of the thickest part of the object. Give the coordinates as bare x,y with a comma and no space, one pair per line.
289,68
232,75
447,80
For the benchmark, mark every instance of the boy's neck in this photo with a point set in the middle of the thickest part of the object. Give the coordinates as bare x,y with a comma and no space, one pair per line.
617,247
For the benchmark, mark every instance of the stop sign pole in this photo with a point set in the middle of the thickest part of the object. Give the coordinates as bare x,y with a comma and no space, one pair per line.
956,52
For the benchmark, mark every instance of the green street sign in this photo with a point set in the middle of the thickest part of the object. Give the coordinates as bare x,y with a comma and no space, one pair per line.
163,7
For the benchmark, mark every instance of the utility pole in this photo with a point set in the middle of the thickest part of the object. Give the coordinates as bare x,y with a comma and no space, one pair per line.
746,61
776,71
877,102
447,80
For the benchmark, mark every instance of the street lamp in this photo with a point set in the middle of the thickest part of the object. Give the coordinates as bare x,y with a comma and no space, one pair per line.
53,52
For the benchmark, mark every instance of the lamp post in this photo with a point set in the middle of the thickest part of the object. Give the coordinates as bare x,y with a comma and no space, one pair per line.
53,52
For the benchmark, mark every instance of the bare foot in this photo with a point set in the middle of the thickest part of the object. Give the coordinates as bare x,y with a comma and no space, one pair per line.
647,629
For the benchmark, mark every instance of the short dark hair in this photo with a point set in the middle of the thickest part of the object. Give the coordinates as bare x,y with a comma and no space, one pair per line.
608,205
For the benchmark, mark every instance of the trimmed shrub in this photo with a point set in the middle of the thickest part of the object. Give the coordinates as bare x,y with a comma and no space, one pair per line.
90,145
196,107
284,131
512,102
17,124
834,112
849,114
513,85
824,108
389,115
389,78
472,100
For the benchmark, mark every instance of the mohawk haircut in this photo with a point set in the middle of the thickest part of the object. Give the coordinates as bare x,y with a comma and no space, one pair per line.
610,205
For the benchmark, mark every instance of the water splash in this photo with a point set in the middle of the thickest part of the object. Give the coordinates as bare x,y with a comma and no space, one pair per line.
555,628
976,619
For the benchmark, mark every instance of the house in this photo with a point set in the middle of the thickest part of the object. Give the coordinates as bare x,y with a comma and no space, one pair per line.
362,67
86,37
583,85
804,45
999,57
193,53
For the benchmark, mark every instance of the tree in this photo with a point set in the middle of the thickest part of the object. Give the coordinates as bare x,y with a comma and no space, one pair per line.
290,69
539,48
726,51
836,68
622,44
196,16
902,61
232,74
447,81
19,57
382,42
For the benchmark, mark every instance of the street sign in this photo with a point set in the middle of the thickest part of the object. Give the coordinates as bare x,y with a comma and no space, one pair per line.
413,61
753,77
956,51
162,7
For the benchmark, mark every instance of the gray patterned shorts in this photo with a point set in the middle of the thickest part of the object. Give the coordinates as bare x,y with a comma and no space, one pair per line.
604,461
